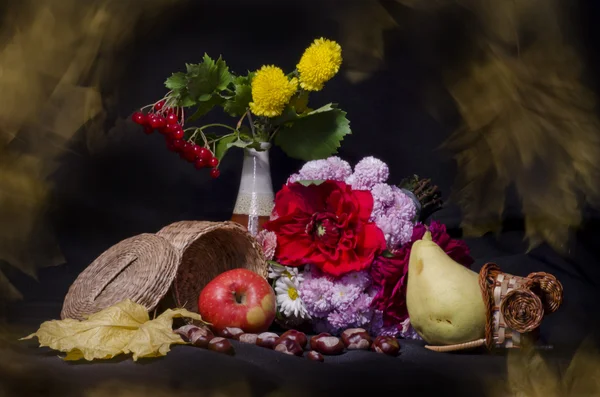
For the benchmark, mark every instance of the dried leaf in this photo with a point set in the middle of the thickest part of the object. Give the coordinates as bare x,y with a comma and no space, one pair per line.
120,329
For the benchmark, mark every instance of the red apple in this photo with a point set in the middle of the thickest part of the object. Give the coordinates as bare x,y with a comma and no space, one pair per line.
238,298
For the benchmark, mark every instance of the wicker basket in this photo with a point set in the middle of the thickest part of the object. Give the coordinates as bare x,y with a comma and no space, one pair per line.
208,249
140,268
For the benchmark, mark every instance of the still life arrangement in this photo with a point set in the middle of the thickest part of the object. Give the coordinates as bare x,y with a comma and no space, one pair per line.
341,258
268,107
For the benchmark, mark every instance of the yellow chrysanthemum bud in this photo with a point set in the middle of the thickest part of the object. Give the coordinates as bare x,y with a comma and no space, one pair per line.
319,63
271,91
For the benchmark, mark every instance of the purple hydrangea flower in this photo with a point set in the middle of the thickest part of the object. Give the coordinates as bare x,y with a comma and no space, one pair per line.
369,172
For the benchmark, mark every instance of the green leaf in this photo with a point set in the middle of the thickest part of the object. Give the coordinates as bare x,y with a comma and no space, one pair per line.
387,254
310,182
315,135
205,107
223,146
289,114
276,264
239,103
207,77
177,81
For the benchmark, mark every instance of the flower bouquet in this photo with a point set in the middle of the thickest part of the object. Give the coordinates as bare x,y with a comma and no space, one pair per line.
339,241
274,105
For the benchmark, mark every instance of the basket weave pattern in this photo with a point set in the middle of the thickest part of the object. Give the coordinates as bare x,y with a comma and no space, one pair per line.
182,257
140,268
208,249
516,305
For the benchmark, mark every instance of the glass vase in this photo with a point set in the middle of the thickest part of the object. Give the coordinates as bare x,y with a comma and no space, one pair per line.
255,195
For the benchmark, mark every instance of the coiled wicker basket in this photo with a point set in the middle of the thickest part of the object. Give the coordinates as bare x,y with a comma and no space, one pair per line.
140,268
182,257
208,249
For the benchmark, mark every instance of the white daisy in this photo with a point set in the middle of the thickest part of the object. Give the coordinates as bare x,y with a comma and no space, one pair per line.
288,299
277,271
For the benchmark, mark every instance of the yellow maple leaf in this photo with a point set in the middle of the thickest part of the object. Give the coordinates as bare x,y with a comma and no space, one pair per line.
120,329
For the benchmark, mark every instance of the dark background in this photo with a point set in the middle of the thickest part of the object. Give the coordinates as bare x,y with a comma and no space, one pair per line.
132,184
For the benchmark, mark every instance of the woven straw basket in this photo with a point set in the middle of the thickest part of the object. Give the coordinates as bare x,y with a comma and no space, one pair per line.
183,257
140,268
208,249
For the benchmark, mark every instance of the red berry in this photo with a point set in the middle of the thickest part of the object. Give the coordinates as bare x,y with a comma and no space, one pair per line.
148,130
177,134
172,118
178,145
214,173
171,128
190,152
205,154
213,162
158,122
200,163
139,118
170,145
159,105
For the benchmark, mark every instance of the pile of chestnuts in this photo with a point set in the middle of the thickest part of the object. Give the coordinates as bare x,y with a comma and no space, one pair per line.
291,342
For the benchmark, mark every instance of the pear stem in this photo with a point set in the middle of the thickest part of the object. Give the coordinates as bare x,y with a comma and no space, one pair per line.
427,236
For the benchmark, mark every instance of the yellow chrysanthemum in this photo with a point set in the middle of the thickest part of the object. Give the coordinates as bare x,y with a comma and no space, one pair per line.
271,91
319,63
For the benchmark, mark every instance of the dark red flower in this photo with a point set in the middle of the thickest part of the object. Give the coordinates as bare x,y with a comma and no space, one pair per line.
326,225
390,274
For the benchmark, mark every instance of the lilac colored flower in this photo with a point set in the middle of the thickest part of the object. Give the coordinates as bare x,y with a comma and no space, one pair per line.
316,294
361,279
369,172
268,242
383,198
339,169
397,221
408,332
363,312
340,320
377,327
333,168
344,295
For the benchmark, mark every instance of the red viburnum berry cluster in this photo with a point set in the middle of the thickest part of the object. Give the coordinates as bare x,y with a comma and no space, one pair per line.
169,122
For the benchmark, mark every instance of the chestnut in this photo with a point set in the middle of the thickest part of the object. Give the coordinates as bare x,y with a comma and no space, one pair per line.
296,336
185,331
267,339
329,345
387,345
315,356
201,340
248,338
231,333
289,346
356,339
313,340
220,345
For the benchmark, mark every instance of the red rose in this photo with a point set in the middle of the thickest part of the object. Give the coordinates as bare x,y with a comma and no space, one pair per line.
326,225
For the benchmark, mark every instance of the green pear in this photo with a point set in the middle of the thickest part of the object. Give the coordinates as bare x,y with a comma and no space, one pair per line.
443,297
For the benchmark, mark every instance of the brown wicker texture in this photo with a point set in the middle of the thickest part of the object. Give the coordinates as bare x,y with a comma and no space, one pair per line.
522,310
140,268
551,288
208,249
